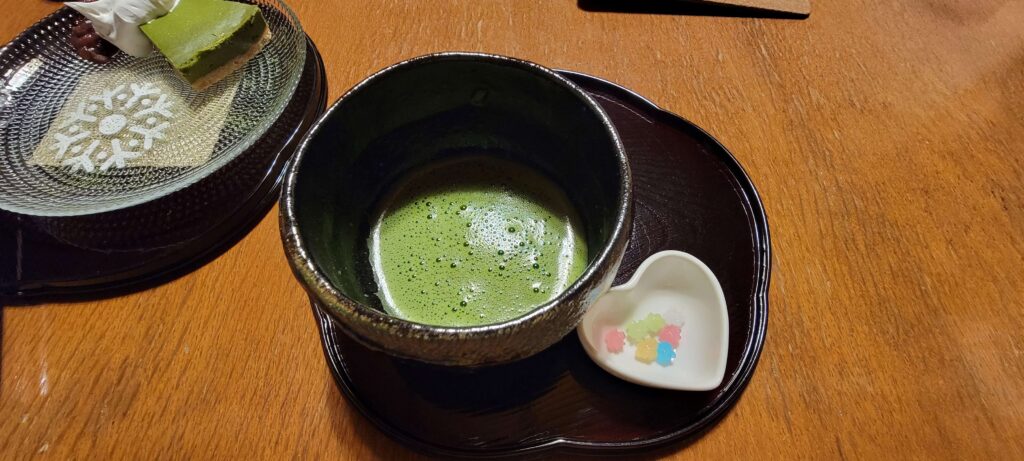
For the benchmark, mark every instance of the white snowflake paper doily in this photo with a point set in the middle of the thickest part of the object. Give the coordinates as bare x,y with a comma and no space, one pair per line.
116,119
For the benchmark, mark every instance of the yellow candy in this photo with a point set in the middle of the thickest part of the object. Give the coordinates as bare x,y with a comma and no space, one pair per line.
647,350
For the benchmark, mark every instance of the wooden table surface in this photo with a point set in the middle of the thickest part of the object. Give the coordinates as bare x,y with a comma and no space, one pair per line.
886,139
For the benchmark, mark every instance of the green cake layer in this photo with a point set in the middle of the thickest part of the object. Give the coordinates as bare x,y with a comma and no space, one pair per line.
206,38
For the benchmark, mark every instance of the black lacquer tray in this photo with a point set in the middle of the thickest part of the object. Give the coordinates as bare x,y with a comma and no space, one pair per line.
92,256
691,195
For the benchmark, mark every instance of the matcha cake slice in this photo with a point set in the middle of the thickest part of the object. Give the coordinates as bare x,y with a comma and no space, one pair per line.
205,40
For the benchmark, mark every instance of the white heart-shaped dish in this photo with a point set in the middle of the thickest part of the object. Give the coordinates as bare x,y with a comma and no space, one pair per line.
684,292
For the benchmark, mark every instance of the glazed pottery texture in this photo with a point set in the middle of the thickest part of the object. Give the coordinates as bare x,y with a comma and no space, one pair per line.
429,109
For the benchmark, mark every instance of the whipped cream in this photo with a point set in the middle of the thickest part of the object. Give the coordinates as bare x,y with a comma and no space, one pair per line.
118,21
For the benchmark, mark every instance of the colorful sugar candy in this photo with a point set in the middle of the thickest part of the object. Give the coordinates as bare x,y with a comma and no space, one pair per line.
665,354
653,323
614,340
655,339
636,331
670,334
647,350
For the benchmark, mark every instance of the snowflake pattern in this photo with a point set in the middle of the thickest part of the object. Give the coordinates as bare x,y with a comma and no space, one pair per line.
155,124
113,127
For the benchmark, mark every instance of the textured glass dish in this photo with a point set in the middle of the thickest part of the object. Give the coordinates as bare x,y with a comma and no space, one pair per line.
39,72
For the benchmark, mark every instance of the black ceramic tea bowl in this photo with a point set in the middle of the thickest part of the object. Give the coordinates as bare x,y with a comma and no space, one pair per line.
429,109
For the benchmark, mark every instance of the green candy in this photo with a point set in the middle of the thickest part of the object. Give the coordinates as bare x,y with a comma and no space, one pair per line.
638,330
653,323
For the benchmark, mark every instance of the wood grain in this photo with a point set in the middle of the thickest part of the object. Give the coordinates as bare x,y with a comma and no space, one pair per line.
885,138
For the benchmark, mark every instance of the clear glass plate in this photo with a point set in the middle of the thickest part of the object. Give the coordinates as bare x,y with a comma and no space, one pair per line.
39,74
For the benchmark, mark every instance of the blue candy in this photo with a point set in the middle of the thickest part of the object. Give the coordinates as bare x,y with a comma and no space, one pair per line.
665,354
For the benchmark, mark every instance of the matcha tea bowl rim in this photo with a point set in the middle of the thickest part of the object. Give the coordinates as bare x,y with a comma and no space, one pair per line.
438,104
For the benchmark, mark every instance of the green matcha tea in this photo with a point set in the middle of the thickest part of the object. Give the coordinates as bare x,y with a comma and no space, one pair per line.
473,241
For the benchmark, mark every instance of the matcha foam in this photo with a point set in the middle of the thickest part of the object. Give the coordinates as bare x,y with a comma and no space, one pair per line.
473,241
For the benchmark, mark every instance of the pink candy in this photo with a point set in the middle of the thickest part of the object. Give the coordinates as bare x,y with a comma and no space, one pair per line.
614,340
670,334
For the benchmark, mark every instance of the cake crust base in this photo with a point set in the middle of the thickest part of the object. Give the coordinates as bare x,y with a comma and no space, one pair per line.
227,68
